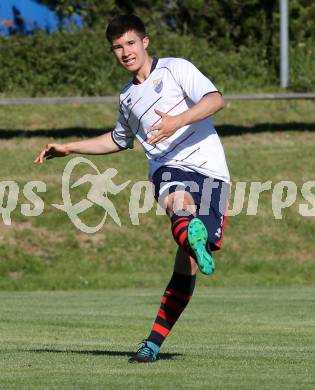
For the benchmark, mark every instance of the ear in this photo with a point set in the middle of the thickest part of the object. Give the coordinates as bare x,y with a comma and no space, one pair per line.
146,42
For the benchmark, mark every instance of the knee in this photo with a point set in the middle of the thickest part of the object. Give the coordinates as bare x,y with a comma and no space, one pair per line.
180,200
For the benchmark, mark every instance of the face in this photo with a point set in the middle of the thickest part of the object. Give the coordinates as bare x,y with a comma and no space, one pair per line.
130,51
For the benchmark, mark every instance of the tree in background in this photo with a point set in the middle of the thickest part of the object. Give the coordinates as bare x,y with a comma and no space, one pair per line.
235,42
224,23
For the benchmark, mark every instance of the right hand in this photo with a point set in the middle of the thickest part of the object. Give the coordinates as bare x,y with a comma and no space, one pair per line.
51,151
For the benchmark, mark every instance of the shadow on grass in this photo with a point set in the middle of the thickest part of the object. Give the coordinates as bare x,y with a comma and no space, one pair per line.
162,356
223,130
53,133
227,129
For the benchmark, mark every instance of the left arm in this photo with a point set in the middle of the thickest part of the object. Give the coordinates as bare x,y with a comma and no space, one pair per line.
168,125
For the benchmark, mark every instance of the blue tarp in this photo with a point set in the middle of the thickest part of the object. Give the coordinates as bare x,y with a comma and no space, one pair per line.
25,16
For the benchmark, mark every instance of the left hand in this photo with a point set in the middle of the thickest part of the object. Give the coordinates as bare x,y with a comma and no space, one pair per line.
164,129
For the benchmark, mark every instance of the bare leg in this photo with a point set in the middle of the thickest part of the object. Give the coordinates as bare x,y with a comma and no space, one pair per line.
179,200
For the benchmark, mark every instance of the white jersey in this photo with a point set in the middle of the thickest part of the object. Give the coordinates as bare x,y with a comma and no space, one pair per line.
173,86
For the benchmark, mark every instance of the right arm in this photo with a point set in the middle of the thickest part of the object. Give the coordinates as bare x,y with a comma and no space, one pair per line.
103,144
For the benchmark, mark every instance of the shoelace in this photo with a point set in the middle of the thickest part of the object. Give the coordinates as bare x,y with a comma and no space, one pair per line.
145,350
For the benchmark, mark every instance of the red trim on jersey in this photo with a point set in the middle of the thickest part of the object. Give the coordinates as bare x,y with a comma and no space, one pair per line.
203,164
176,105
170,110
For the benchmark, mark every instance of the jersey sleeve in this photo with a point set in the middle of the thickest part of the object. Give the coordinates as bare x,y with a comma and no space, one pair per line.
194,83
122,134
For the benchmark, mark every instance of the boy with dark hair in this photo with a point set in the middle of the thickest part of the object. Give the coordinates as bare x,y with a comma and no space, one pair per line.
123,23
167,106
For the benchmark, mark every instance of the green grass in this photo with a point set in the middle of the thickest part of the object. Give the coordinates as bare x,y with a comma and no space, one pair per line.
48,252
244,338
103,116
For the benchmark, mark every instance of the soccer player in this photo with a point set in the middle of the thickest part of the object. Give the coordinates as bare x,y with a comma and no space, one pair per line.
167,107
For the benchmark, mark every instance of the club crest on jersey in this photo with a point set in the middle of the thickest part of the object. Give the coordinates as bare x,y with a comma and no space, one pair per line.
158,85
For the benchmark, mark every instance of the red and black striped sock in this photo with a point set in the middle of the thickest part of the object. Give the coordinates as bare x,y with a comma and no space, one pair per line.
175,298
179,226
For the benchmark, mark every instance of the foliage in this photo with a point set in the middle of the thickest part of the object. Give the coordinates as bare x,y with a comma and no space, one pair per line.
302,60
227,23
62,63
92,11
81,63
235,43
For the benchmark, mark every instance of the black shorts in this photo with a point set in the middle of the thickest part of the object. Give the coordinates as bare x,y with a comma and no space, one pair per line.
210,196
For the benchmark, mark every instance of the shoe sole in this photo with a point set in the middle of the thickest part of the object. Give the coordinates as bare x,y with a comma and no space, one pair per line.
197,238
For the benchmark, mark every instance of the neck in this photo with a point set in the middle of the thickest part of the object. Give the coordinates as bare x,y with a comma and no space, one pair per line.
143,73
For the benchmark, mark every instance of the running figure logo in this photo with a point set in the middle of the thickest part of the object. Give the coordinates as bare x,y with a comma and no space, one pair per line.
101,185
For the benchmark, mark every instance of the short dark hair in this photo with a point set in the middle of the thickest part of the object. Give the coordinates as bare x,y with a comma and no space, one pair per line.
123,23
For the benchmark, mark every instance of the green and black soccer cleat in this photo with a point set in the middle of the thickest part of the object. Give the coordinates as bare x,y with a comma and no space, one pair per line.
197,238
147,353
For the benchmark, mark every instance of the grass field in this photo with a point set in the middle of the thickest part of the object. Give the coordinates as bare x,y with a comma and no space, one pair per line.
263,141
249,326
243,338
